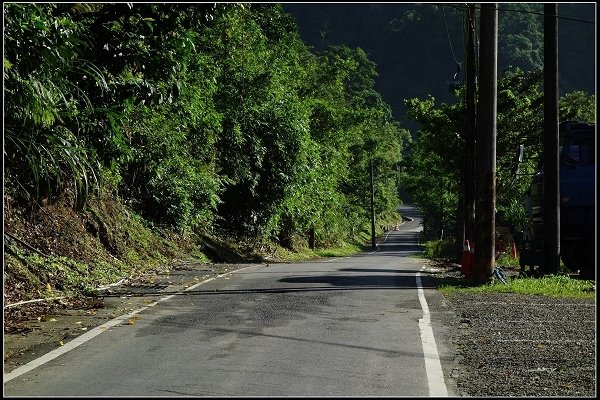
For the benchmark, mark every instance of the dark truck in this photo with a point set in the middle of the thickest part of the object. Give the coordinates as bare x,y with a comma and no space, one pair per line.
577,205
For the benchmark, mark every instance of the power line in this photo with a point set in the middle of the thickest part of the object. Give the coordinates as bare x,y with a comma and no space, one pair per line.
462,8
544,14
448,34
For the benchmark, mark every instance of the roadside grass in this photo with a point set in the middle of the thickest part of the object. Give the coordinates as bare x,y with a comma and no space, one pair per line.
282,254
551,285
442,248
305,254
559,285
421,256
357,242
346,249
507,260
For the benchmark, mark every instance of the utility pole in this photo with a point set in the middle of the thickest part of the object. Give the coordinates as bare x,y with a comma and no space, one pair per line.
471,97
485,151
551,156
373,246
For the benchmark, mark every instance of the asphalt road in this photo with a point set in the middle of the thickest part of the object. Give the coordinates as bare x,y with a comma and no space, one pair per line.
365,325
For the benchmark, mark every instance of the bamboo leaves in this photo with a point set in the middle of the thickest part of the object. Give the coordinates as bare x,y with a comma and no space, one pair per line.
201,116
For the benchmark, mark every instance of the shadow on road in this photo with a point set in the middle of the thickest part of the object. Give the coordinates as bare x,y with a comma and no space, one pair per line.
384,270
390,281
332,282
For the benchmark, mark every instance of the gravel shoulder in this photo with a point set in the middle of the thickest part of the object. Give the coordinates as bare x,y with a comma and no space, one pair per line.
513,345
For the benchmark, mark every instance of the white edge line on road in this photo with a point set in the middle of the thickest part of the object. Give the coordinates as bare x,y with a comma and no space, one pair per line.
334,259
79,340
433,366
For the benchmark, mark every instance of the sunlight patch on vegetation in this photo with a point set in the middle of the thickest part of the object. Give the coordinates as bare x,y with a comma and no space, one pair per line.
341,251
443,248
507,260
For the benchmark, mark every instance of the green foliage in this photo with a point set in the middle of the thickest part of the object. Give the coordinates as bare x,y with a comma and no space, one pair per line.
521,36
552,286
441,248
263,117
432,171
45,109
507,260
349,126
205,117
520,121
578,106
217,116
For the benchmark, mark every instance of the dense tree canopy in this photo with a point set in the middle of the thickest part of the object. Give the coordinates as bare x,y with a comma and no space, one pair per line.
218,118
201,117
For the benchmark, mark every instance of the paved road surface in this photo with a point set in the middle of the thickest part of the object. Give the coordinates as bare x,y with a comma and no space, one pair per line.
353,326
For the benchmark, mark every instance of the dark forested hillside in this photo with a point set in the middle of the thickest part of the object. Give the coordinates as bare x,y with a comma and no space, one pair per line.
416,47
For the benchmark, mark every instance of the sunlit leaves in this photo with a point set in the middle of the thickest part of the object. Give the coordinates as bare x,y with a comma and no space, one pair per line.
45,106
432,171
201,116
578,106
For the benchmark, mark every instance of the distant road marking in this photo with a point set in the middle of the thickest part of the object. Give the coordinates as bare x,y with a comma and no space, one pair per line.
96,331
433,366
335,259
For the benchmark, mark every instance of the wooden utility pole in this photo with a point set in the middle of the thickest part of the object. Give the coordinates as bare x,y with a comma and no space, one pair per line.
551,156
485,151
373,245
471,98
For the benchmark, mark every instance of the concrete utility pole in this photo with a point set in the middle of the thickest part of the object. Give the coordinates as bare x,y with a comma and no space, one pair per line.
551,156
485,160
469,196
373,245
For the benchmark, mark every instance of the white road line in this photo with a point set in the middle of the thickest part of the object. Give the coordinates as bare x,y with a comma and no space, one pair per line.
95,332
433,366
334,259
